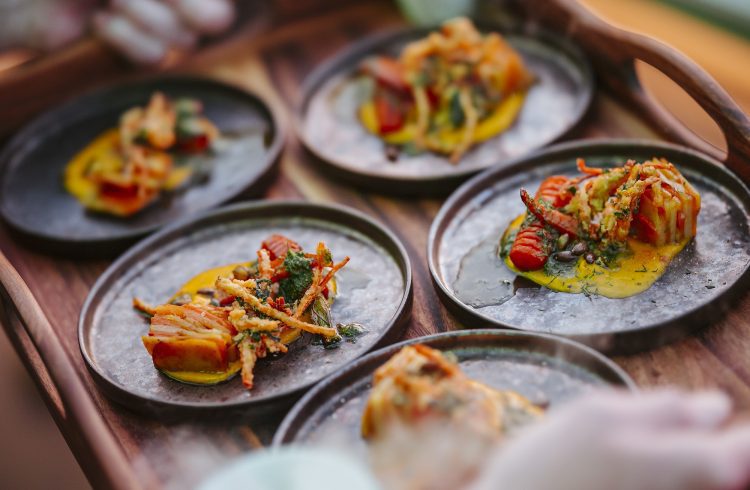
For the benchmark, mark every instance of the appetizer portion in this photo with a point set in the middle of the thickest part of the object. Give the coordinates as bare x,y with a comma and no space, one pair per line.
610,232
225,319
423,384
125,169
445,93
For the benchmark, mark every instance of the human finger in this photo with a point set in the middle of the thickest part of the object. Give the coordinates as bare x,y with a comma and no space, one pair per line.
122,34
158,19
657,409
205,16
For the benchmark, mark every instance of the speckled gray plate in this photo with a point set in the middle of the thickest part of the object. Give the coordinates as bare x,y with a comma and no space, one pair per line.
698,284
547,370
35,204
328,125
375,290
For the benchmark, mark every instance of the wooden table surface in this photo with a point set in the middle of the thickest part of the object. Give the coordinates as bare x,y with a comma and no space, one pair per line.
147,453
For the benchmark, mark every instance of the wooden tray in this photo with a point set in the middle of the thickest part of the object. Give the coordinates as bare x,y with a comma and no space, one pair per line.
119,449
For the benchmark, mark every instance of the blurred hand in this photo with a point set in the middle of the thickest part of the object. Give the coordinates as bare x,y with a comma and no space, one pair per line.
659,441
145,30
142,30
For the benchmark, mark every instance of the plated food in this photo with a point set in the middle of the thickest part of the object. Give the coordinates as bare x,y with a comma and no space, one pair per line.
420,384
446,92
416,111
671,248
485,383
224,310
130,199
225,319
125,169
609,231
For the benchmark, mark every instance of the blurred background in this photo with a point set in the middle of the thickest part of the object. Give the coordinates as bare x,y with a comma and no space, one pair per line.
714,33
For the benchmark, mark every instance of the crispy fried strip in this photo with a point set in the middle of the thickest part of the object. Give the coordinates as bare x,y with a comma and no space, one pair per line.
423,114
255,324
310,295
472,118
140,305
333,271
237,290
265,271
249,357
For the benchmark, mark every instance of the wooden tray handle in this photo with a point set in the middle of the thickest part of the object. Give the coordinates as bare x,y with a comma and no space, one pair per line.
77,402
614,52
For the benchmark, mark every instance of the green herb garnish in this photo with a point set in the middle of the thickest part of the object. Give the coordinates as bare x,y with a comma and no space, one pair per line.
350,331
300,276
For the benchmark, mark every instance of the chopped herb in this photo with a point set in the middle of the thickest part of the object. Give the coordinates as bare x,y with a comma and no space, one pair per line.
332,343
300,276
642,269
572,189
351,331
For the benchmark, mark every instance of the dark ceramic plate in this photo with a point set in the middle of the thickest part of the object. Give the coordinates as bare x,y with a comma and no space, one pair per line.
698,284
328,125
547,370
375,290
36,205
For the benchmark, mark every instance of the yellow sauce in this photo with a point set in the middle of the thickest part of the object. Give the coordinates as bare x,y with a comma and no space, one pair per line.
207,279
497,122
105,151
631,273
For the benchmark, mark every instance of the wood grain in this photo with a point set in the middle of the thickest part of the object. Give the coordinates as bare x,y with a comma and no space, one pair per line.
118,448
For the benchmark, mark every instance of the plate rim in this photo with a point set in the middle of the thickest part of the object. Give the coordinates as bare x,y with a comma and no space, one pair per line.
46,119
376,180
396,324
611,342
282,434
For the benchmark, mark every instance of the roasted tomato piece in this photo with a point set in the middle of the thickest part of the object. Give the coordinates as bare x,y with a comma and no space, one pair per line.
387,72
390,111
113,190
279,245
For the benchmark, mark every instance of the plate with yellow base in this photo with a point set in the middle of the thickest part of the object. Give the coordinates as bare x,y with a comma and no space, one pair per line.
699,282
329,119
35,197
374,290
